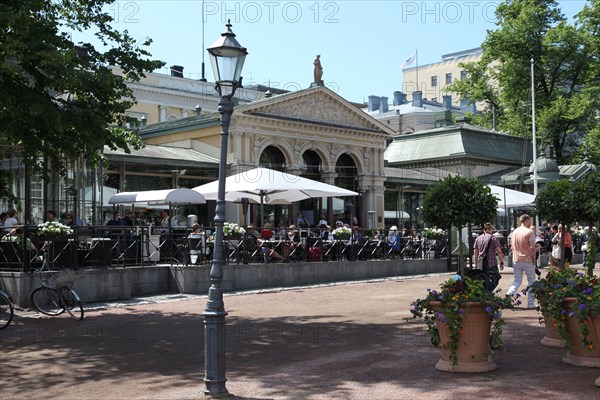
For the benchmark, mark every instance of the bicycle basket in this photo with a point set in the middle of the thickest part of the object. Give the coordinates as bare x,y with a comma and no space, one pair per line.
64,278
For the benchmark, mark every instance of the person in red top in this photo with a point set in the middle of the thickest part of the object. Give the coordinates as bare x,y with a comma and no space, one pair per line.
568,256
266,233
523,246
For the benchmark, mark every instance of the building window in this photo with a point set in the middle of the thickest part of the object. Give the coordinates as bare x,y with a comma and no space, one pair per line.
463,75
433,81
448,79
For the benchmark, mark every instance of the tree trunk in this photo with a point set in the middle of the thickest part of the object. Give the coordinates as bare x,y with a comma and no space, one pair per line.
461,267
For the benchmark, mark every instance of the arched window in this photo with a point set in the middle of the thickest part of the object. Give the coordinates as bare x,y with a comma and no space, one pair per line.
346,170
272,158
311,165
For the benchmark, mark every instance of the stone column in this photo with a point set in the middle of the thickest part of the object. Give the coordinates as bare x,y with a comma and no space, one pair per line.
329,178
162,113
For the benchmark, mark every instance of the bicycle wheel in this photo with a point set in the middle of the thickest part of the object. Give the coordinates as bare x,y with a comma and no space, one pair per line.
47,301
71,303
6,311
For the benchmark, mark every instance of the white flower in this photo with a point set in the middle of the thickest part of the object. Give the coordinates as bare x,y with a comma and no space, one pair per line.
342,231
433,233
230,229
54,229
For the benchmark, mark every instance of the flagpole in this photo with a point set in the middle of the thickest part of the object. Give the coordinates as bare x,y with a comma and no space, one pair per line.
417,60
533,128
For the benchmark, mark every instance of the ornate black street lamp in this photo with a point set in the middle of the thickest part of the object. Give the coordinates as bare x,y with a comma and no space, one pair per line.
227,58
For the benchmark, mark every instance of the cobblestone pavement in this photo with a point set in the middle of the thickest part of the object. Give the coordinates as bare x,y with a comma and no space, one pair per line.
337,341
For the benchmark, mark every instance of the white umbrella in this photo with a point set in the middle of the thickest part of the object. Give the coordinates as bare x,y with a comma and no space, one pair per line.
263,185
158,197
267,186
513,199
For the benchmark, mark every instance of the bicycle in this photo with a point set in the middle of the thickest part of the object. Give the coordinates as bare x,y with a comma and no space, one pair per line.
56,296
6,310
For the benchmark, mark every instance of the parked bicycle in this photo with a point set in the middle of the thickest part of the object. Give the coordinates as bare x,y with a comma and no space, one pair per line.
6,310
56,295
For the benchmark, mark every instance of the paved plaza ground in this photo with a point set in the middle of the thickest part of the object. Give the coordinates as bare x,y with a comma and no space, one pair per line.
344,341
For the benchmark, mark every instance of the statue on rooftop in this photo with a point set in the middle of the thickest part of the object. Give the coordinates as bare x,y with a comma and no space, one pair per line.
318,73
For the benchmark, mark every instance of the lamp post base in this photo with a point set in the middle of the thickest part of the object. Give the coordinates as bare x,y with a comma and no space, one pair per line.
214,353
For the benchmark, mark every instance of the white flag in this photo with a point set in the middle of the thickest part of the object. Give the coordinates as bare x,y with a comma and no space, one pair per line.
411,60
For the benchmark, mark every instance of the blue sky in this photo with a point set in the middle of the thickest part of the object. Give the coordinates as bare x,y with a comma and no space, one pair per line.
362,43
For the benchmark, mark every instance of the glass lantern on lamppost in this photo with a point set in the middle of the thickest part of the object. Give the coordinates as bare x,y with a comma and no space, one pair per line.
227,58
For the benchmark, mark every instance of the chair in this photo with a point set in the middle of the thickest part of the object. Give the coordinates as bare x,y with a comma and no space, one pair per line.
197,249
297,253
395,247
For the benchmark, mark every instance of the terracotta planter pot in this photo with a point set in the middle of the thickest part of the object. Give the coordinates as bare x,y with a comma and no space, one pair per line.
473,348
579,355
552,338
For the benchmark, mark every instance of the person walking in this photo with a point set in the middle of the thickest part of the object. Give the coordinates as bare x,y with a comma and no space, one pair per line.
523,247
568,245
554,262
486,247
585,238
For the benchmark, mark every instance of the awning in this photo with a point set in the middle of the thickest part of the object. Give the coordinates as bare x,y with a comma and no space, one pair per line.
159,197
514,198
393,214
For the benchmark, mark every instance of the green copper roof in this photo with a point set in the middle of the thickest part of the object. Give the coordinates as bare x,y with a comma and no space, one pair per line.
456,144
180,125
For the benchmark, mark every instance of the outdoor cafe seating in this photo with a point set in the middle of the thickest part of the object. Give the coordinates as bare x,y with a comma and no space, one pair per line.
120,247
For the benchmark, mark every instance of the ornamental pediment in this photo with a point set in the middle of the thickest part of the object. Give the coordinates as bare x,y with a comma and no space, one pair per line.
314,106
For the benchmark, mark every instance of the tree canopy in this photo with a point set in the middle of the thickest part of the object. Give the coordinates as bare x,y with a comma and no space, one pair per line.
566,59
554,202
59,99
456,201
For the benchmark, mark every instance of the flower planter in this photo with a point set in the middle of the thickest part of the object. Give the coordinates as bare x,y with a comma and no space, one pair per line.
54,238
232,237
577,354
473,348
342,237
552,338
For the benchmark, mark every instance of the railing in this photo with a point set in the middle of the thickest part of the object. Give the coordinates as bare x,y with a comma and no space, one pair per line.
122,246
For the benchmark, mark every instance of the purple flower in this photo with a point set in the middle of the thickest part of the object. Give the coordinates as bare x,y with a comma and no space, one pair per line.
496,315
461,311
443,320
517,295
556,286
582,306
563,312
571,314
488,309
580,274
434,292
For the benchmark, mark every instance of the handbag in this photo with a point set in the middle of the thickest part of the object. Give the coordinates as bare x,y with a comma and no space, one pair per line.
482,262
556,251
584,247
